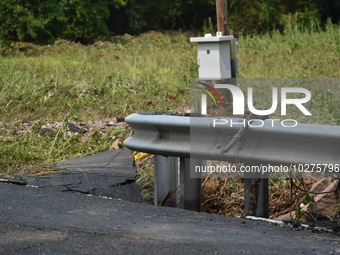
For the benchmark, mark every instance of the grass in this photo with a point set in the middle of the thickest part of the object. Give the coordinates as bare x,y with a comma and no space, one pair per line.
23,148
69,82
144,73
293,54
95,81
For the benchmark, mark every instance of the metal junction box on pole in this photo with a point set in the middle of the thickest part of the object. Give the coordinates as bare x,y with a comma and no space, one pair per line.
214,56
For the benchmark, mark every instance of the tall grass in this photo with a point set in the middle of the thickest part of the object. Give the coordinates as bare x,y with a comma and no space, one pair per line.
33,147
293,54
73,82
149,72
100,80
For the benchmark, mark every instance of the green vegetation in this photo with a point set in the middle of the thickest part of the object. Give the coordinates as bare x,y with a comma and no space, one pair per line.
43,21
87,20
293,54
68,82
32,147
96,81
145,73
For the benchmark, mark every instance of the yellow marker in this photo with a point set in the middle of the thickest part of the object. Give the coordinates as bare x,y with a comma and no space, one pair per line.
140,156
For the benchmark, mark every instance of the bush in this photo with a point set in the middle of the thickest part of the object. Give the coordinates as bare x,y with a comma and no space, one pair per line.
47,20
85,20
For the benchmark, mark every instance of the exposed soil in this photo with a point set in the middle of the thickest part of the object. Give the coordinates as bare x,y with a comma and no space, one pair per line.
69,128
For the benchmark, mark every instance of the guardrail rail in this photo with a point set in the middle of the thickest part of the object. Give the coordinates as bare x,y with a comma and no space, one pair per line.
169,137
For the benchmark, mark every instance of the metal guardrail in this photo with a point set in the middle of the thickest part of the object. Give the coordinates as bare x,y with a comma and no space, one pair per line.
168,135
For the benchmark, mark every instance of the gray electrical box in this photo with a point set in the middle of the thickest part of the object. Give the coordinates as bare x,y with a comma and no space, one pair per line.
214,56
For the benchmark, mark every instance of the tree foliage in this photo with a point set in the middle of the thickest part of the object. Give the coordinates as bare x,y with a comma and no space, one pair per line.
45,20
257,16
84,20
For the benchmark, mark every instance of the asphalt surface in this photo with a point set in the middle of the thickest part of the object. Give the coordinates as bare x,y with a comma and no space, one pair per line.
108,174
49,220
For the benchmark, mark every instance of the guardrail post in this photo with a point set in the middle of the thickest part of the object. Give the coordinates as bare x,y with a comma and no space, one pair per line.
256,196
166,181
263,201
190,188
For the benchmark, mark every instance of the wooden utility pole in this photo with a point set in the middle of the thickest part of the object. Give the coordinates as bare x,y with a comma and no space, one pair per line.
222,16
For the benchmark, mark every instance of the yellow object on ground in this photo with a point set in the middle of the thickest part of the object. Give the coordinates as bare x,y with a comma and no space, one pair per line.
141,155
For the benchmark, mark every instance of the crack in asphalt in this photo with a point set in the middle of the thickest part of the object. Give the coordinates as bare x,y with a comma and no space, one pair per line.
126,182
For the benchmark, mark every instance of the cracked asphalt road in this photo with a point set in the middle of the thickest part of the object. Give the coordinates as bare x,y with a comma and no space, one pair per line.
42,221
48,220
109,174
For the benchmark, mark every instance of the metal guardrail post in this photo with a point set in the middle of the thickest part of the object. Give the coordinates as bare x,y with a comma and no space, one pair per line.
256,196
190,188
263,201
166,181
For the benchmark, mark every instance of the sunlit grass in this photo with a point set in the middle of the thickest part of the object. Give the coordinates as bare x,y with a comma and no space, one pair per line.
291,55
73,82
